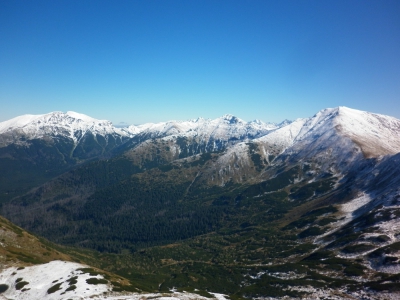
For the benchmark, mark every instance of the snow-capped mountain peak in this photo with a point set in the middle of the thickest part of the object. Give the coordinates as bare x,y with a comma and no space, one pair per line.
71,125
17,122
376,134
284,123
343,130
197,120
54,118
223,127
257,121
232,119
82,117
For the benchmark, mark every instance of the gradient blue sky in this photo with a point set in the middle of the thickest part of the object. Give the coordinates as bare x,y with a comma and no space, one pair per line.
157,60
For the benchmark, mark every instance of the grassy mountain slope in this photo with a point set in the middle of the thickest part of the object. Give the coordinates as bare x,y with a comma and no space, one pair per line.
19,248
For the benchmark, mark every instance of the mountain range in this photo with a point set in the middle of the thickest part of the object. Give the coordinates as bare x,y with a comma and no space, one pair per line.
303,208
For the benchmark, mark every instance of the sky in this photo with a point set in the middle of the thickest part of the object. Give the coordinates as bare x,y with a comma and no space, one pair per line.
156,60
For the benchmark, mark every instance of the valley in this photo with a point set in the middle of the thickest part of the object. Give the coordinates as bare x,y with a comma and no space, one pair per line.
304,209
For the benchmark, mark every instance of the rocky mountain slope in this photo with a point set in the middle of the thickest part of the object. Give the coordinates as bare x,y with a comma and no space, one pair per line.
307,208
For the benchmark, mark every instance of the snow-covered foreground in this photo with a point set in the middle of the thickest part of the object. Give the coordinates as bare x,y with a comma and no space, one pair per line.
58,280
40,278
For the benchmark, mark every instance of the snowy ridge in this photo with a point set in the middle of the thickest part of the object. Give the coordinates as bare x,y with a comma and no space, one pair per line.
225,127
71,124
339,134
376,134
273,143
74,126
373,134
320,122
17,122
318,140
282,137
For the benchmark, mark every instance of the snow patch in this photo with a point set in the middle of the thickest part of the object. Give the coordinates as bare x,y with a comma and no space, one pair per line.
41,278
350,207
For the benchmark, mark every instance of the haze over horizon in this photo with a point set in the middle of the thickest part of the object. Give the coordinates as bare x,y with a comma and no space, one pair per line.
152,61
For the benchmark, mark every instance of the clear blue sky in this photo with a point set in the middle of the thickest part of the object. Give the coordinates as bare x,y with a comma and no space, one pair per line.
155,60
